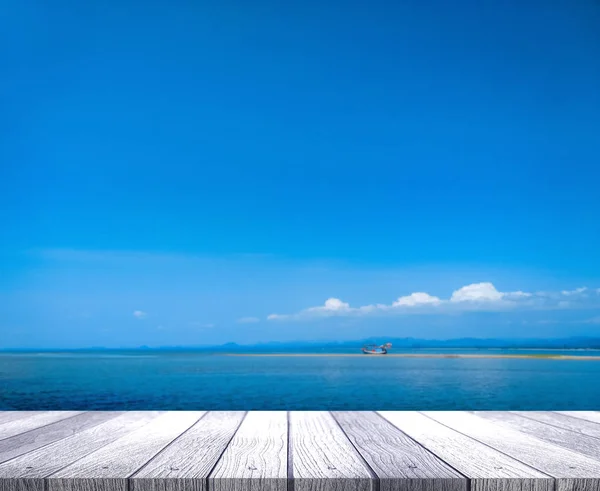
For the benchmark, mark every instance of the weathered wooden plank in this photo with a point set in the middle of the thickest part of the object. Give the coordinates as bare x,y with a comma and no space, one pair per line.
593,416
572,470
188,461
26,442
564,421
108,468
322,456
487,469
7,416
38,420
397,460
257,457
583,444
327,452
27,472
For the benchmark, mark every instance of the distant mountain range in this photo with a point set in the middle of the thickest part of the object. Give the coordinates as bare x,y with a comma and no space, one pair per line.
415,343
398,344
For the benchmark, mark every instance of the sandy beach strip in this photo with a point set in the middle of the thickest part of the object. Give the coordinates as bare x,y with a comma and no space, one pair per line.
422,355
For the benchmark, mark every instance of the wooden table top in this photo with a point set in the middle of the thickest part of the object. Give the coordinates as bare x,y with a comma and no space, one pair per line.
299,451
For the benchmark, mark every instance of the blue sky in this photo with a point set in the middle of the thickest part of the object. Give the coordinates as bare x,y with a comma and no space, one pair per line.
206,162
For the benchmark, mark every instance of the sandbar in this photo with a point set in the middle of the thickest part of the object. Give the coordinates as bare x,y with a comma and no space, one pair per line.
423,355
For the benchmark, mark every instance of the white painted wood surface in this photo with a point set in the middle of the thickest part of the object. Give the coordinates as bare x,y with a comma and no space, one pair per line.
188,461
108,468
299,451
573,471
488,469
583,444
7,416
323,458
44,461
256,459
593,416
565,421
30,440
18,426
397,460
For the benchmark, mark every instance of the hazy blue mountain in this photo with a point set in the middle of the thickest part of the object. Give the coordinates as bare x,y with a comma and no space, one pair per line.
398,344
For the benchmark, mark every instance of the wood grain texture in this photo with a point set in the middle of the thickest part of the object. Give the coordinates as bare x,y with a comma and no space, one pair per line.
108,468
257,457
26,442
6,416
565,421
572,470
593,416
397,460
322,456
583,444
28,471
300,451
21,484
17,426
487,469
188,461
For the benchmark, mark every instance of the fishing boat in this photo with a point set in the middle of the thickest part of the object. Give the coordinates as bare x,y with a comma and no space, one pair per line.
373,349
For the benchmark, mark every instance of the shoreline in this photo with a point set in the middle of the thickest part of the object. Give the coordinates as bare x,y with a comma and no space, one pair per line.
419,355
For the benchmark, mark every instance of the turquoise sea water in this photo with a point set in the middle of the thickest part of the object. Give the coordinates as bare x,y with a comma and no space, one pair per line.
191,380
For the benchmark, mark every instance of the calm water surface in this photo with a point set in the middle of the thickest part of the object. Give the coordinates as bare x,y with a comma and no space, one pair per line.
186,381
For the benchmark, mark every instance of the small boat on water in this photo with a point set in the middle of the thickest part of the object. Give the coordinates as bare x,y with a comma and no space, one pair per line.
373,349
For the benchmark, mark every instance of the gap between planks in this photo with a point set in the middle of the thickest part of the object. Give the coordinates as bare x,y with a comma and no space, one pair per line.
365,472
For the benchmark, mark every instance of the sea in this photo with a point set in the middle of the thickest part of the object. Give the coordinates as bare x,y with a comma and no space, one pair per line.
192,380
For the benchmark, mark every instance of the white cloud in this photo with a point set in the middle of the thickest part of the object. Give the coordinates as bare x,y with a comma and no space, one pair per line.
474,297
417,298
332,305
365,309
481,294
139,314
477,292
518,294
577,291
248,320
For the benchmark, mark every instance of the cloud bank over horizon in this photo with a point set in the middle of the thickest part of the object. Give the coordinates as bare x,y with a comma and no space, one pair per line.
484,297
75,298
